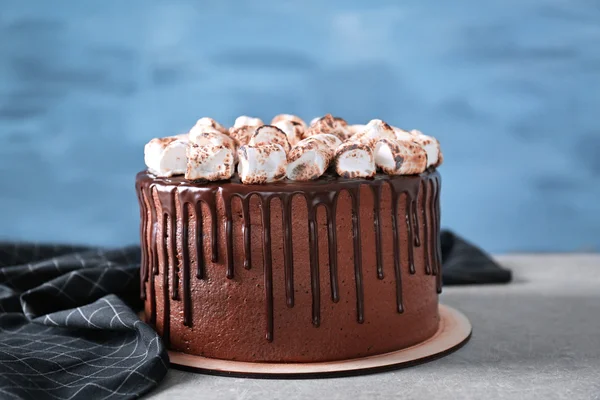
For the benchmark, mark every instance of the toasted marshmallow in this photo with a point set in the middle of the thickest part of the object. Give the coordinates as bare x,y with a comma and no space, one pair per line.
166,156
242,133
183,136
374,131
355,160
293,131
401,134
356,128
211,162
400,157
309,159
327,138
247,121
261,164
210,136
431,146
329,124
211,123
288,117
270,134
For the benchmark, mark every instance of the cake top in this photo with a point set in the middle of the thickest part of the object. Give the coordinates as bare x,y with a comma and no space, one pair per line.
289,148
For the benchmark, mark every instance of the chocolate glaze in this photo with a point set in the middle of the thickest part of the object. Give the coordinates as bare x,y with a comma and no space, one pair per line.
436,238
426,230
410,206
377,223
318,193
358,278
198,235
185,263
286,217
267,262
143,242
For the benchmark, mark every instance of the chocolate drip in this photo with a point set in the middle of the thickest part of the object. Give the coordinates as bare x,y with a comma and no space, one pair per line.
313,245
229,238
246,229
153,233
166,197
436,239
415,221
214,223
199,238
267,263
409,231
432,215
185,262
327,200
143,239
173,258
396,246
153,254
332,244
410,187
165,275
168,257
288,252
426,219
360,301
322,192
376,188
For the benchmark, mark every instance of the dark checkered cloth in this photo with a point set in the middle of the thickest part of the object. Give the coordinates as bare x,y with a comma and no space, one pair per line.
68,329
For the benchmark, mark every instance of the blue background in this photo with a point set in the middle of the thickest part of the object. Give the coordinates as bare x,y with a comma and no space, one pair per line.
510,88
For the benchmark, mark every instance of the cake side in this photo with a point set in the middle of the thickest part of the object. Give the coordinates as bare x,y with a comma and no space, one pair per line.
322,270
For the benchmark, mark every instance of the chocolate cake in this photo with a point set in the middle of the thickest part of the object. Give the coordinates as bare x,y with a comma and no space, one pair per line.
337,257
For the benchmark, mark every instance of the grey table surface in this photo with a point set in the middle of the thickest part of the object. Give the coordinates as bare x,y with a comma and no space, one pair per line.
537,338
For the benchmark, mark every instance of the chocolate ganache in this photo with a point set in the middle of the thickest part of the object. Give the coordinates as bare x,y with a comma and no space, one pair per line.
219,257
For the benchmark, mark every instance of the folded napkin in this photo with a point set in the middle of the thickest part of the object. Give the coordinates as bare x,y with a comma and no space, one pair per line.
464,263
69,330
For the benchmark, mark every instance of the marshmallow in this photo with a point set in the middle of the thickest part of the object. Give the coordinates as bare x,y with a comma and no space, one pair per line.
327,138
261,164
242,133
270,134
247,121
401,134
211,123
400,157
210,136
309,159
288,117
211,162
427,143
292,130
355,160
329,124
166,156
183,136
431,146
375,130
356,128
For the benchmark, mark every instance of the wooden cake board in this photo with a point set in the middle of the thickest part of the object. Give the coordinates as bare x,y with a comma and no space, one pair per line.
454,331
